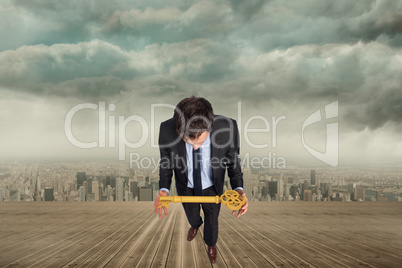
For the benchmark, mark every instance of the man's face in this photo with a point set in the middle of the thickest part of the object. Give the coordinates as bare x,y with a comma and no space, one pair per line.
196,143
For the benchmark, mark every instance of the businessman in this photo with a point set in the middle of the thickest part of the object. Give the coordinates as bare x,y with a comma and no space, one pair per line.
199,147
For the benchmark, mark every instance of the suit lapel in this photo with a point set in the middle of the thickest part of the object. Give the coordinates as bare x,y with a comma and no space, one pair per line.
183,156
215,140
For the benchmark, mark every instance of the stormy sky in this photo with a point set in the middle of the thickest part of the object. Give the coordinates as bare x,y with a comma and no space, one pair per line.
254,60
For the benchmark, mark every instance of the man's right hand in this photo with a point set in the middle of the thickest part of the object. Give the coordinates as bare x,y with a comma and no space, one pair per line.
157,204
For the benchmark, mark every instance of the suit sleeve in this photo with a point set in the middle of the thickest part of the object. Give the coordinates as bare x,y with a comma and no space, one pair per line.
233,164
165,165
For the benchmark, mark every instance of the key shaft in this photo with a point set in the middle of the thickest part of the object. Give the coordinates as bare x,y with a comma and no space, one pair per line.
230,198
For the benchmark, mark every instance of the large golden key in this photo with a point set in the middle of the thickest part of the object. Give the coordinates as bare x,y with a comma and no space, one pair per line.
230,198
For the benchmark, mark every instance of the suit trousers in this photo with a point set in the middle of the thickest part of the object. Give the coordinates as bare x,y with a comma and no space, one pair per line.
211,215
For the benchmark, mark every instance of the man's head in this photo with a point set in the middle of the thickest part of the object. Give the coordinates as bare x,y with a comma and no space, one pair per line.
193,118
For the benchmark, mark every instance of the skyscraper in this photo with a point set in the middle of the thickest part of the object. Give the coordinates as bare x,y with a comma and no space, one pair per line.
155,185
145,193
312,178
112,182
294,190
273,188
248,183
134,189
108,181
85,185
360,194
264,192
95,190
329,192
81,177
89,180
119,189
304,186
81,192
109,190
49,194
307,195
281,186
351,187
324,187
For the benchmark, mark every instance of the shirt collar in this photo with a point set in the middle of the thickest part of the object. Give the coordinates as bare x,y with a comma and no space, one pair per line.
207,142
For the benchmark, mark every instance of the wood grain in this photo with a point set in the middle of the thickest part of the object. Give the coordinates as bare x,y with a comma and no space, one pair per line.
270,234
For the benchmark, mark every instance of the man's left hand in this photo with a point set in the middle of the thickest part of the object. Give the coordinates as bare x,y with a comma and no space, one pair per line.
243,209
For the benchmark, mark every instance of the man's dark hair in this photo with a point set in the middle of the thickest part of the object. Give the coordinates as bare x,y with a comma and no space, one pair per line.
193,116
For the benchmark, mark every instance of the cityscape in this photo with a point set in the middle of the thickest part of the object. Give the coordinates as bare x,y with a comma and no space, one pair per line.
115,181
314,88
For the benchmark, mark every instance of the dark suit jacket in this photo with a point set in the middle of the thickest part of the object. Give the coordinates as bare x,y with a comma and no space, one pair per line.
224,155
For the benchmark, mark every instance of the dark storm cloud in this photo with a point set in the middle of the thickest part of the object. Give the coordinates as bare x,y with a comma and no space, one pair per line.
89,68
51,22
385,18
364,78
94,68
356,75
283,24
204,19
385,106
247,9
263,25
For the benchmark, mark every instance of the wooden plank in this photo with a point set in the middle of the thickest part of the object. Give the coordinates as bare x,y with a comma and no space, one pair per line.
57,256
104,240
284,234
200,249
116,254
304,246
275,254
131,250
372,238
225,253
301,246
339,247
220,261
166,242
36,214
50,243
18,228
159,246
244,246
178,241
188,259
235,248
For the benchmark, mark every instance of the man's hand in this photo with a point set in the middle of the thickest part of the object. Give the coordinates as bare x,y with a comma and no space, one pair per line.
157,204
243,209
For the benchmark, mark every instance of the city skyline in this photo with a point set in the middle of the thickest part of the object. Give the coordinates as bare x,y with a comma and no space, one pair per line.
314,87
115,181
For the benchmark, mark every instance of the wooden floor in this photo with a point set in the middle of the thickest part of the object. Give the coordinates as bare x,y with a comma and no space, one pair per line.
271,234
